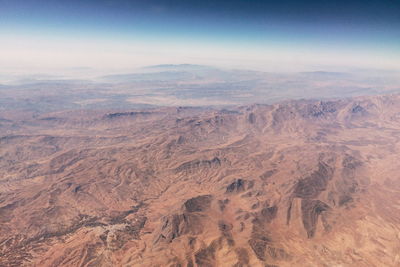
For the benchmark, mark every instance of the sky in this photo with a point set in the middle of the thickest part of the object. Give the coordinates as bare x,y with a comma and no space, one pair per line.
285,35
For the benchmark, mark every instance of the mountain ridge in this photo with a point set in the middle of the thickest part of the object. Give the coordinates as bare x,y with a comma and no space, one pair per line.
304,182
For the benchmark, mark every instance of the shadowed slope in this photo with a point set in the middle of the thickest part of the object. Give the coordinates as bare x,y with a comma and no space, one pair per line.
305,183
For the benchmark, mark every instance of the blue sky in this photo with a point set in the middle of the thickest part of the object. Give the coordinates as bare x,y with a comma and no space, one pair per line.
271,35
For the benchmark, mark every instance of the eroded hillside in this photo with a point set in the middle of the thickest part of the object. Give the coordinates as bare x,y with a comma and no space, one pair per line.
302,183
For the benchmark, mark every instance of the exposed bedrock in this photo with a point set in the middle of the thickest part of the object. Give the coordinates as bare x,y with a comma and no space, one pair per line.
264,249
323,108
310,210
236,186
261,241
205,257
198,204
308,189
176,225
313,185
341,191
243,257
190,221
225,229
195,165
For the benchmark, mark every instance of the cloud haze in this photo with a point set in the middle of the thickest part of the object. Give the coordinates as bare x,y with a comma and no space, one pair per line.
45,35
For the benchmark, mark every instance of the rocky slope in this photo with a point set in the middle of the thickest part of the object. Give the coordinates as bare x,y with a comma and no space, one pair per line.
302,183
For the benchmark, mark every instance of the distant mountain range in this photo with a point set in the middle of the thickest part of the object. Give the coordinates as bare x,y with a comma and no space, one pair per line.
189,85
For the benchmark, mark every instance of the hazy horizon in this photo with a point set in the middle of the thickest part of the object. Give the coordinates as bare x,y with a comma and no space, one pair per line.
116,36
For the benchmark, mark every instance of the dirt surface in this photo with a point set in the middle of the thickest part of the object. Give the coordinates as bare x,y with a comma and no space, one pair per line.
300,183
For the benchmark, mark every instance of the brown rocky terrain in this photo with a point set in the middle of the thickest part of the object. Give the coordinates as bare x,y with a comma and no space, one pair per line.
300,183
